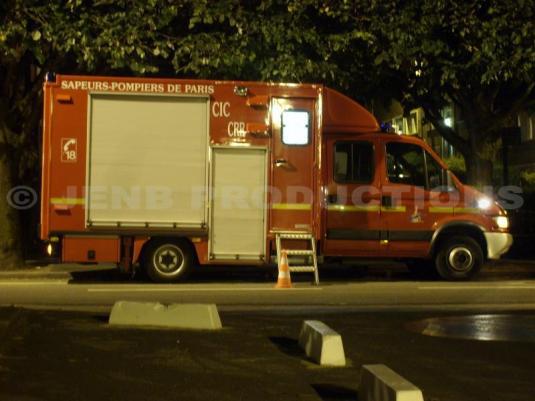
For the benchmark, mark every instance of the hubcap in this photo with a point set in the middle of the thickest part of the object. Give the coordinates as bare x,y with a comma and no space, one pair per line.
168,259
461,259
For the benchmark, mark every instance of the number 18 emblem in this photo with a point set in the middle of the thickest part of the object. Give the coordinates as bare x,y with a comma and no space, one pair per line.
69,152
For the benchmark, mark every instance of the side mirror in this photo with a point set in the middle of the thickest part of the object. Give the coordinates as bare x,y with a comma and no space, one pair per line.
449,183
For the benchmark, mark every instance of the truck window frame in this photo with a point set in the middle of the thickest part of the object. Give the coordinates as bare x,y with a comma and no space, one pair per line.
449,185
347,141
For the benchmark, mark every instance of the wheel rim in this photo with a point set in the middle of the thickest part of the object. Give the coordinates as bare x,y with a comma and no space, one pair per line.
168,260
461,259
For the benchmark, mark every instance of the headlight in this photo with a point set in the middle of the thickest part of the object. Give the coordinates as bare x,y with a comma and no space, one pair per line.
484,203
501,221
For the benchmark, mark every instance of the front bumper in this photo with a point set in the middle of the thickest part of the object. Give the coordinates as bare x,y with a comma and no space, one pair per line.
498,244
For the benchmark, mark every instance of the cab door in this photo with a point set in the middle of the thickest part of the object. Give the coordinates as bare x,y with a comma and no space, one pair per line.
293,161
415,198
353,225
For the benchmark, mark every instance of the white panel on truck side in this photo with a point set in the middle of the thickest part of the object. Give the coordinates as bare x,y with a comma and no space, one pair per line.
238,204
147,160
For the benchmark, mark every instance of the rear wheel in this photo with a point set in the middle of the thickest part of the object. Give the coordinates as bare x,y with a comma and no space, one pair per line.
459,258
168,260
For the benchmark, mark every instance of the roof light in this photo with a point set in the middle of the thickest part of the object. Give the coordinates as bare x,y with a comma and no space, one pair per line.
240,91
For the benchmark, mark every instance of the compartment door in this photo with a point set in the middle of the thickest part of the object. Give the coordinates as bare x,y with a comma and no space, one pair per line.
147,160
293,161
238,204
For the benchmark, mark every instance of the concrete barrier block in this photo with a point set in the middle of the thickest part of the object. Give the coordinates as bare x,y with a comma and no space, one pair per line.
321,343
380,383
185,316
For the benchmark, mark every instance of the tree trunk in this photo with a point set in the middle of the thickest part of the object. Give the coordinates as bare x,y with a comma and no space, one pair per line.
478,170
10,238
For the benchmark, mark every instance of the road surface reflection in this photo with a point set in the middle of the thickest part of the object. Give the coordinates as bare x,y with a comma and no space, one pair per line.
479,327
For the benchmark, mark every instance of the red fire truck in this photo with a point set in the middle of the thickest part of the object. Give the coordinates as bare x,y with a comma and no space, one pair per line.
170,174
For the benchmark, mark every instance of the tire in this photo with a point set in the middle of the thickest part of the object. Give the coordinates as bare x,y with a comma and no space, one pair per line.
168,261
459,258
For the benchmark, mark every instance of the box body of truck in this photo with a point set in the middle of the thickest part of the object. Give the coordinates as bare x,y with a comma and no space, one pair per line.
170,173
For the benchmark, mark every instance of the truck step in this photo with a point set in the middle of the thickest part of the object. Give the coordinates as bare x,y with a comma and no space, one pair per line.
302,269
294,236
300,252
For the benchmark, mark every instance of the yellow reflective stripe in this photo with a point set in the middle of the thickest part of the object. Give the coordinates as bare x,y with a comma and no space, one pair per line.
291,206
467,210
353,208
67,201
362,208
441,209
393,208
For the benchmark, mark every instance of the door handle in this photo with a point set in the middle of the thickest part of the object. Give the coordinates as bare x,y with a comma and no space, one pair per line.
281,162
332,199
368,197
386,201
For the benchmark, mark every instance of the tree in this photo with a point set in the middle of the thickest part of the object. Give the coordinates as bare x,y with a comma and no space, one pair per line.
72,36
479,56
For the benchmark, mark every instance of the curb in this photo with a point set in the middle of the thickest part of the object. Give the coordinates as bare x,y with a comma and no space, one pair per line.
26,273
54,272
184,316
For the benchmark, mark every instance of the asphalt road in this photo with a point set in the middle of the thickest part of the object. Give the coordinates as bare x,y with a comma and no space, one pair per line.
504,286
478,343
76,356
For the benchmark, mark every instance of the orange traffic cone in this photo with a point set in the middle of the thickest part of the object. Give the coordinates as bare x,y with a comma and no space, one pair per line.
284,280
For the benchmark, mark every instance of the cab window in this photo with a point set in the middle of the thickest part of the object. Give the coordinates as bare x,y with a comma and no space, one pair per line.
411,165
405,164
353,162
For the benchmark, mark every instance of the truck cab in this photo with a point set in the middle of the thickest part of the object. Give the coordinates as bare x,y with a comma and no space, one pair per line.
390,195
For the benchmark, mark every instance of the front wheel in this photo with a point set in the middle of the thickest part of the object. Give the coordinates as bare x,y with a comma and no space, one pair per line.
459,258
168,260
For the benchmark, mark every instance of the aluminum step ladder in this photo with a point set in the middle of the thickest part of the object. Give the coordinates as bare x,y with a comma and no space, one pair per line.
310,253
